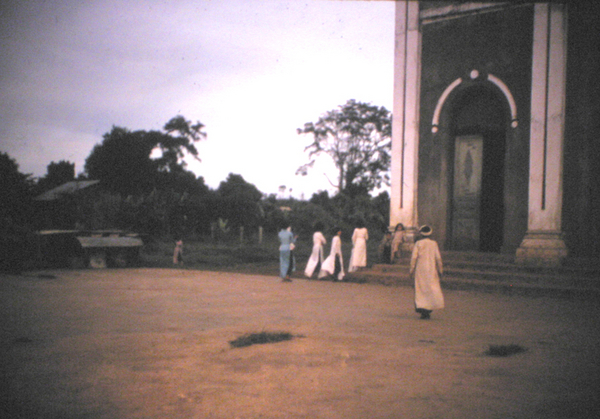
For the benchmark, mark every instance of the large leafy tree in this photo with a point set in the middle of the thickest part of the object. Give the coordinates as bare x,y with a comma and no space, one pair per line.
179,138
357,136
124,161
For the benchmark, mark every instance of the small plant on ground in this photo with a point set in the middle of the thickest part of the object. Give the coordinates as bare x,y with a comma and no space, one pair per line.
504,350
260,338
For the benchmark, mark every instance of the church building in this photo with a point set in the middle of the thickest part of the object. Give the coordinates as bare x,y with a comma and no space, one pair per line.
496,126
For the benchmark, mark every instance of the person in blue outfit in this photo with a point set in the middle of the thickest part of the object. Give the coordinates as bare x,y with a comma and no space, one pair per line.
287,239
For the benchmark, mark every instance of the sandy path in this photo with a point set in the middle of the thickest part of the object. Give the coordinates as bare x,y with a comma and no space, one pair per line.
154,344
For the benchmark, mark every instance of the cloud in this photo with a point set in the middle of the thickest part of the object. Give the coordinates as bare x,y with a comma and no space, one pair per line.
251,71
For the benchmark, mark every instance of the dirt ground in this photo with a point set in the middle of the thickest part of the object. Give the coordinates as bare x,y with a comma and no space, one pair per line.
154,343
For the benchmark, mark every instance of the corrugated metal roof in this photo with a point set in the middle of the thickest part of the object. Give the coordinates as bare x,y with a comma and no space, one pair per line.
87,242
68,188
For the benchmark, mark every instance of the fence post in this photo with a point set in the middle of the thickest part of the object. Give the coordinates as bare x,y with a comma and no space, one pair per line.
260,235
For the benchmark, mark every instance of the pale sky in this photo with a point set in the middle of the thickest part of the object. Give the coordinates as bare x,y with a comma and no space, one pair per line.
252,71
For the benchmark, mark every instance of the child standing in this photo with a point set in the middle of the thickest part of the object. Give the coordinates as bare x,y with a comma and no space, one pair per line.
178,252
397,241
385,248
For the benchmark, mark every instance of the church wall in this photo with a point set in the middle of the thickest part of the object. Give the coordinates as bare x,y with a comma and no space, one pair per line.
581,198
498,43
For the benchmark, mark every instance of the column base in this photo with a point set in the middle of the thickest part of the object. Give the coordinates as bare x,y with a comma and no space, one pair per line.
542,248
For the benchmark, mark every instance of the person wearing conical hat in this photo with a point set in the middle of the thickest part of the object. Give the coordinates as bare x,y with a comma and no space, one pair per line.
426,269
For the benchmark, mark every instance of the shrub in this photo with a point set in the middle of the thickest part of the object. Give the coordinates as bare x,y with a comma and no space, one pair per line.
260,338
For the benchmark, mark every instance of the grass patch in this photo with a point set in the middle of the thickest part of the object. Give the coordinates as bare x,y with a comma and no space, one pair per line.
252,258
260,338
205,255
504,350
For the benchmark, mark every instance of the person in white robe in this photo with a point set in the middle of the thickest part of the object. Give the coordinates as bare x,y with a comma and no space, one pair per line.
316,256
426,269
358,258
334,264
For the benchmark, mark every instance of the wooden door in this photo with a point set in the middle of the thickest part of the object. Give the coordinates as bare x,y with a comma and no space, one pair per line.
466,200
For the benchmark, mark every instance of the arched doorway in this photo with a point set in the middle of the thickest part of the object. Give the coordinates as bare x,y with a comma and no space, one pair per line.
479,120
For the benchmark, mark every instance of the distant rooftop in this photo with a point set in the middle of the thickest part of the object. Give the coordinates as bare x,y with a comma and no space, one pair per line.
68,188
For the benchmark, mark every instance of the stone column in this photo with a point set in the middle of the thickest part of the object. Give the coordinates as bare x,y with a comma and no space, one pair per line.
543,243
405,127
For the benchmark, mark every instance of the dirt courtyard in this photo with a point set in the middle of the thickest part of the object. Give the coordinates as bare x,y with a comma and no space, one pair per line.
154,343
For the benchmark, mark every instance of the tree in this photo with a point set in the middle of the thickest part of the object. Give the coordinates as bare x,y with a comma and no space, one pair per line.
173,148
15,194
239,202
124,164
16,216
56,175
357,136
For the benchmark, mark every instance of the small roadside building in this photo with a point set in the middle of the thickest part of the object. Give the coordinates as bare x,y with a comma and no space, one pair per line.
496,113
85,248
63,242
58,207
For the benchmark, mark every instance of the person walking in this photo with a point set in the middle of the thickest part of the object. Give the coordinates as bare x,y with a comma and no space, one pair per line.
426,269
316,257
286,258
334,264
358,258
397,240
292,266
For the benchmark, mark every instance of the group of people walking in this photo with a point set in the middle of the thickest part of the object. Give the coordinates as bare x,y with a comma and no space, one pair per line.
426,266
333,265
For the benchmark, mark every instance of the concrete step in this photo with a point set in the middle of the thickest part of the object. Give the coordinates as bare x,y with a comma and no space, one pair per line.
518,287
502,262
496,273
501,274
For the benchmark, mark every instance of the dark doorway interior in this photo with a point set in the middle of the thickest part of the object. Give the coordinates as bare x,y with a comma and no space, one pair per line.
492,192
480,111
